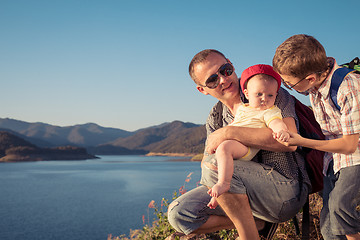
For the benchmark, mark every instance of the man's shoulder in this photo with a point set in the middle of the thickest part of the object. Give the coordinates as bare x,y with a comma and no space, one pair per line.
286,103
282,94
216,109
284,100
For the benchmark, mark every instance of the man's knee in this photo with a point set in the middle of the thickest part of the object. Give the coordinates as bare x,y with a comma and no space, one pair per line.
173,215
189,211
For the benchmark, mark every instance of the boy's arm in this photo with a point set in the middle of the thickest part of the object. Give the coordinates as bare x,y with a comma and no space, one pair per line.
347,144
261,138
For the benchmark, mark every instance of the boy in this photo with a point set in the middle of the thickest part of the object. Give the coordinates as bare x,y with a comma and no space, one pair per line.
303,65
260,84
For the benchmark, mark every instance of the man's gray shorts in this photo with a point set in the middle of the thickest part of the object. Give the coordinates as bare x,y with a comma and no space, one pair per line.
272,197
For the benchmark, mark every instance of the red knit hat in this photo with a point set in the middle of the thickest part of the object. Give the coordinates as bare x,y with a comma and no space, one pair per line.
258,69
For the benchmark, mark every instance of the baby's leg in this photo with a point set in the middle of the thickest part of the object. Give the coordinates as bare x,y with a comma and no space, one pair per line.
212,203
225,153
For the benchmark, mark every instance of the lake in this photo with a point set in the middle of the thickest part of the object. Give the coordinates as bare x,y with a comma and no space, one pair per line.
86,199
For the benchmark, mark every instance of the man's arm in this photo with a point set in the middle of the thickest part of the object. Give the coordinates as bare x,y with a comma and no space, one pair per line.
261,138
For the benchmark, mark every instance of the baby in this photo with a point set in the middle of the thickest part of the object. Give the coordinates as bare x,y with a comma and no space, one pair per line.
260,84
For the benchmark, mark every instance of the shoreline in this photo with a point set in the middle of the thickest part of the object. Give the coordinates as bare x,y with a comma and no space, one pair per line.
45,157
192,156
171,154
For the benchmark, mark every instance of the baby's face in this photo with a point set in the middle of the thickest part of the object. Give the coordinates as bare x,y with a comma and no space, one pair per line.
261,91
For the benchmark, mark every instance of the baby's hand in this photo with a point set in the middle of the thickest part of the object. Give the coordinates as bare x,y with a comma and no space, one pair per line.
281,136
294,139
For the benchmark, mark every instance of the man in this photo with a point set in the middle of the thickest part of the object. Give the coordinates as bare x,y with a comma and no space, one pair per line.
272,187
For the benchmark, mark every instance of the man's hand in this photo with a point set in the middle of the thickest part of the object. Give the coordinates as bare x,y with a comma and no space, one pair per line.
214,140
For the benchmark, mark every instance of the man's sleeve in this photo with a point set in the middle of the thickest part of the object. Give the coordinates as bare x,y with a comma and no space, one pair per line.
214,120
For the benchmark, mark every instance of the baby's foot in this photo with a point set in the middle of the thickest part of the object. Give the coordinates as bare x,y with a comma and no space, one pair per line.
213,203
218,189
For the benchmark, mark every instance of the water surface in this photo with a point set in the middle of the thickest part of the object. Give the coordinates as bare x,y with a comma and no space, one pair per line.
86,199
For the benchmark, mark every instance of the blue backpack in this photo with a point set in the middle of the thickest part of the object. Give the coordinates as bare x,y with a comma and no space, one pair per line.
339,75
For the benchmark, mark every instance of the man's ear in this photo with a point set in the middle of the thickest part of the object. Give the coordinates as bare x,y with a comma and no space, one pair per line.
246,93
202,90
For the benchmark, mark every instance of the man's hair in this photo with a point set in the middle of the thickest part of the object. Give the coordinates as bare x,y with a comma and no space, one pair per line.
200,58
299,56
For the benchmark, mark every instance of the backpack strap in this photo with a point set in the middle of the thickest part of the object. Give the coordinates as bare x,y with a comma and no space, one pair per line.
336,81
306,221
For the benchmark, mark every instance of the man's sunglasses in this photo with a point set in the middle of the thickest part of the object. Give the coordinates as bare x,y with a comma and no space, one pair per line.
213,81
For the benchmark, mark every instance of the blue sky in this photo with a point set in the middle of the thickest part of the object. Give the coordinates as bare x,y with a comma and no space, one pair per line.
123,64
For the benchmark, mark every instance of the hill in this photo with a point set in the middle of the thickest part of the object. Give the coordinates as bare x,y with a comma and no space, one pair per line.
174,137
84,135
14,148
10,141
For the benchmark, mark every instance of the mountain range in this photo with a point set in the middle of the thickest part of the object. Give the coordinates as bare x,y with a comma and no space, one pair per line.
173,137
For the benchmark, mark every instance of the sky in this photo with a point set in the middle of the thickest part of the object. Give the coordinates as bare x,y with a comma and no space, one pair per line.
124,64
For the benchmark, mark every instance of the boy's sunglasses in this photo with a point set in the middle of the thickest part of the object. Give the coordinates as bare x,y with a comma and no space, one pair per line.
213,81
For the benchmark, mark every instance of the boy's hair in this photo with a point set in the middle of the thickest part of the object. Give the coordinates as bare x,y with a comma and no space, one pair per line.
300,56
199,58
